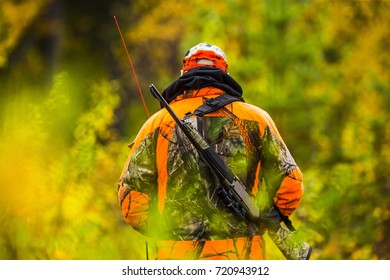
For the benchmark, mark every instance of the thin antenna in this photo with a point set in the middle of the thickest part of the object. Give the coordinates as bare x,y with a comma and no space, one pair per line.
147,250
132,67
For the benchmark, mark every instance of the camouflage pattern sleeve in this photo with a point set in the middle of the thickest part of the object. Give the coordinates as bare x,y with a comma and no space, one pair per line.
281,174
137,186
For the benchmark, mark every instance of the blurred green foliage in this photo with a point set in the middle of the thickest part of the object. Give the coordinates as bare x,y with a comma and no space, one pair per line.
69,107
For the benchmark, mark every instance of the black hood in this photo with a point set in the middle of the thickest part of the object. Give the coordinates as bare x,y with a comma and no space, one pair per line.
201,77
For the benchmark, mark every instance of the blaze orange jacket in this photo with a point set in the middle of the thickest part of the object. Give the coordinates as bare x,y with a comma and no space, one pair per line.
166,193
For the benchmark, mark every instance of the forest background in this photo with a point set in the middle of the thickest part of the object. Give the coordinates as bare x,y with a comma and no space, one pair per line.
69,105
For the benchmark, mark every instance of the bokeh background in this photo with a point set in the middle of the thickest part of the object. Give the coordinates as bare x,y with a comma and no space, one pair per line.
69,105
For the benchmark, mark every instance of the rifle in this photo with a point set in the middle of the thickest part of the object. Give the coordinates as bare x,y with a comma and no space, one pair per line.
233,193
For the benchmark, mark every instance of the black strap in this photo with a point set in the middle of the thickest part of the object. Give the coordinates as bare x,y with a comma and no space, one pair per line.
285,219
213,104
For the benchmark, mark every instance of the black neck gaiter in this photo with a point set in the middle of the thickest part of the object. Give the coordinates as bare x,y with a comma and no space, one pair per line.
201,77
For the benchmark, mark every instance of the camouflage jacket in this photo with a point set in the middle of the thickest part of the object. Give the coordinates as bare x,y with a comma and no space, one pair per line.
166,192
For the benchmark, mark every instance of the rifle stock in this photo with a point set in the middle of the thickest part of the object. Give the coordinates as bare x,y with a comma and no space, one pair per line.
233,193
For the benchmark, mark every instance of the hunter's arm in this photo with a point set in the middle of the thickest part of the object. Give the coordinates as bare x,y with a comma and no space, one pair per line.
281,174
137,184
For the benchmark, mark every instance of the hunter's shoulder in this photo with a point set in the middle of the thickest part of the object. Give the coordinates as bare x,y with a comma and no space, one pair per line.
251,112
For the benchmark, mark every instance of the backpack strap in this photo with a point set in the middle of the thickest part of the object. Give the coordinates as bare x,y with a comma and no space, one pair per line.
213,104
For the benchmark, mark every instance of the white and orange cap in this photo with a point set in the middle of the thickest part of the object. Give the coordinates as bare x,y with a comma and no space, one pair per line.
205,54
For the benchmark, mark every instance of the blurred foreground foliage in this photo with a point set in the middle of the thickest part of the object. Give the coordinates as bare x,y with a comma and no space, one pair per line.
69,107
